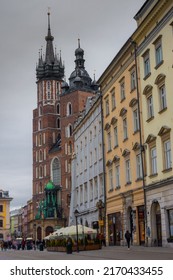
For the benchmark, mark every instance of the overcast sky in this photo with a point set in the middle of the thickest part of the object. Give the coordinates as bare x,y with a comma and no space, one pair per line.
103,26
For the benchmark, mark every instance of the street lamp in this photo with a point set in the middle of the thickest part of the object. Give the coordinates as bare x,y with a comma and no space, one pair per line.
76,213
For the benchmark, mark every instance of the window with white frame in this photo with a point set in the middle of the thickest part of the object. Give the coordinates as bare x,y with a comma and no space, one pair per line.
107,106
115,136
109,141
91,190
85,192
113,101
122,90
153,159
81,195
158,51
138,166
136,120
110,173
95,187
162,97
128,171
167,154
146,58
133,79
150,108
125,132
117,176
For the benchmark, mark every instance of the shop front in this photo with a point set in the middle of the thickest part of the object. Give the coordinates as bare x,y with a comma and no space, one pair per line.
114,229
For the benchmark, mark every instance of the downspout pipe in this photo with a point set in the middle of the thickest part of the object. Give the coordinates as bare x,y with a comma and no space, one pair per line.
142,150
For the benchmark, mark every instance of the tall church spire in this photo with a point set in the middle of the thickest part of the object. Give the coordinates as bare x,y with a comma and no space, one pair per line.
49,58
51,67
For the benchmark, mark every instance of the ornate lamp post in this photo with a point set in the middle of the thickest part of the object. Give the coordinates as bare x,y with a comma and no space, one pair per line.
76,213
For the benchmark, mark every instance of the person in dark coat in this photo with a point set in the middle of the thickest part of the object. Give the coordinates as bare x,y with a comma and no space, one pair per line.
128,237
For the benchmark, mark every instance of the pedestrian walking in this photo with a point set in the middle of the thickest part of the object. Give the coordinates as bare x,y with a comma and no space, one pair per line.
128,237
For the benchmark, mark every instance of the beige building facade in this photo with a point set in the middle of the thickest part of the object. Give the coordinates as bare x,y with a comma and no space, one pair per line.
124,168
154,37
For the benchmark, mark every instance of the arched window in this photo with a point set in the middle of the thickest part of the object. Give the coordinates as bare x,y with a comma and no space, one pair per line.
58,109
40,110
69,109
56,171
58,123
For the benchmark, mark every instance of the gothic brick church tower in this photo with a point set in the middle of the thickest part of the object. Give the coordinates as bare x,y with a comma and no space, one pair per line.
58,107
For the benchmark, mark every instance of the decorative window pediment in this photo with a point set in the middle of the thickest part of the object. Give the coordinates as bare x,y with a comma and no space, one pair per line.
116,158
133,102
125,153
150,138
123,112
113,120
164,129
160,78
136,146
147,90
107,126
109,163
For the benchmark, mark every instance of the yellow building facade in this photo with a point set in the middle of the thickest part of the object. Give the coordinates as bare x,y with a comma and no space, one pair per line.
154,38
122,149
4,215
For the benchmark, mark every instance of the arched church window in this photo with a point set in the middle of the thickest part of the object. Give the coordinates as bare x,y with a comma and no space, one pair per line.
40,110
69,109
56,171
58,109
58,123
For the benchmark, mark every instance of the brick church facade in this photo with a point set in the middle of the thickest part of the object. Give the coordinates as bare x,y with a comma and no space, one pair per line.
58,107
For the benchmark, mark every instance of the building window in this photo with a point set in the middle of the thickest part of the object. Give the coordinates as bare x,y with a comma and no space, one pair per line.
109,141
69,109
150,108
58,123
107,106
136,120
170,218
125,133
56,172
95,188
162,97
113,99
167,154
128,172
91,190
1,223
81,195
153,158
115,136
40,111
146,58
138,167
133,79
117,176
158,51
85,192
122,90
1,208
58,109
110,179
